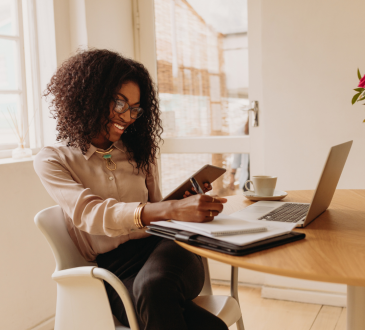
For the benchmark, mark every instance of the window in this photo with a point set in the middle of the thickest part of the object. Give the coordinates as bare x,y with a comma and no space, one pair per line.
202,72
18,75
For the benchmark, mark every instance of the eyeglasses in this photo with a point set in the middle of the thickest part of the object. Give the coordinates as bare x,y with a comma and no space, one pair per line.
122,106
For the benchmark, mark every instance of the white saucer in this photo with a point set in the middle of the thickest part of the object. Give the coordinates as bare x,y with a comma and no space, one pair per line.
278,195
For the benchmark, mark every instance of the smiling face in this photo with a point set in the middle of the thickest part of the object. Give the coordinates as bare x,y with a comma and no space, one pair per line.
130,93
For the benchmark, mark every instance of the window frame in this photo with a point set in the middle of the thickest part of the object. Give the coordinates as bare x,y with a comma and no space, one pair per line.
26,12
145,52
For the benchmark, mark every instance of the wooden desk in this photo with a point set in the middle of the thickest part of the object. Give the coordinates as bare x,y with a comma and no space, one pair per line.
333,250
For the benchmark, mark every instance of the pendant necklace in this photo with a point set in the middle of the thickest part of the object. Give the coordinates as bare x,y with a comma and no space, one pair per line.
110,165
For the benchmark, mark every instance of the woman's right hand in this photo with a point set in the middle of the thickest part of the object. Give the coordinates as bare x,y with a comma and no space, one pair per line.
197,208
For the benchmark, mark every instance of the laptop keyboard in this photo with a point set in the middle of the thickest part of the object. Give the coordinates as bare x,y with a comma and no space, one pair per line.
288,212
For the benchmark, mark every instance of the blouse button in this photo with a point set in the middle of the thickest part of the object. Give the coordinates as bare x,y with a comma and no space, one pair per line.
111,178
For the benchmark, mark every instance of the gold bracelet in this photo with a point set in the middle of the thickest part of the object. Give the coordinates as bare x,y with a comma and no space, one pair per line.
140,216
137,216
140,224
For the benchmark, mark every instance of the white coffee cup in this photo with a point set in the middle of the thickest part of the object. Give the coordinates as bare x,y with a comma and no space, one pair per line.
264,185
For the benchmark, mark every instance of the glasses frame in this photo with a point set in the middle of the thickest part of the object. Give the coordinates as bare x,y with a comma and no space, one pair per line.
128,108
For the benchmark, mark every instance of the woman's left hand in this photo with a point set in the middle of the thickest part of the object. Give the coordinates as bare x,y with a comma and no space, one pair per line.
207,187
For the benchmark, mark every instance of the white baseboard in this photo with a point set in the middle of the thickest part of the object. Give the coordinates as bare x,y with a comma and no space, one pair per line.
228,283
311,297
222,272
45,325
282,288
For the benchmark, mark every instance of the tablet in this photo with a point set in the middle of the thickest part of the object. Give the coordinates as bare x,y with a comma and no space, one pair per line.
208,173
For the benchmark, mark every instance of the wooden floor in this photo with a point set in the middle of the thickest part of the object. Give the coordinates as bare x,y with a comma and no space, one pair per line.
269,314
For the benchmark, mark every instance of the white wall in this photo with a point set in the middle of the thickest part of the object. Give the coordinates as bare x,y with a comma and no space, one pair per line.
303,71
28,294
92,23
110,25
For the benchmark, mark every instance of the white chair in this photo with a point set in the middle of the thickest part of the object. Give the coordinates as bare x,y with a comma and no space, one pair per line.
82,302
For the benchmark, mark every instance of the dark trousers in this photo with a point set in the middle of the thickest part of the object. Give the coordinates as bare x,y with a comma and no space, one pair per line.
162,278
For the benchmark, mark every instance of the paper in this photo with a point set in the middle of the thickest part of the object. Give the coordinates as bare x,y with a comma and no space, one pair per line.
222,225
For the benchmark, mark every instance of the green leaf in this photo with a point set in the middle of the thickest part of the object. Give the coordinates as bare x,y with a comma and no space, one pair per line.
359,89
362,95
359,74
356,96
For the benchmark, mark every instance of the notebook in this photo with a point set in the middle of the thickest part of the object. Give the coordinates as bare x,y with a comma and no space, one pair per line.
222,225
272,229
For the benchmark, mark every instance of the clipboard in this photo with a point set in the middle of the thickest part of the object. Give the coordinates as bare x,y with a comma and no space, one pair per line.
220,246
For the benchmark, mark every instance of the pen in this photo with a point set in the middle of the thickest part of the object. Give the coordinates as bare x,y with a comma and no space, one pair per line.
196,186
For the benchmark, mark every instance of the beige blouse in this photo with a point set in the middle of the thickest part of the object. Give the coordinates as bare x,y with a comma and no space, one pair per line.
98,204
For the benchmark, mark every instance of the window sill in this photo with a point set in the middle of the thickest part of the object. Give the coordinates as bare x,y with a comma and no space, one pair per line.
4,161
5,157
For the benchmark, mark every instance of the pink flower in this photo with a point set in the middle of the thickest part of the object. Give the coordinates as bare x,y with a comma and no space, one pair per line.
362,82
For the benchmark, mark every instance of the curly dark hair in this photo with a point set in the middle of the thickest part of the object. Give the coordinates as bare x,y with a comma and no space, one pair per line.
82,89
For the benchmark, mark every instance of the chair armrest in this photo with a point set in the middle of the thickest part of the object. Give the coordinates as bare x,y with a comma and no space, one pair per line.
122,291
102,274
73,272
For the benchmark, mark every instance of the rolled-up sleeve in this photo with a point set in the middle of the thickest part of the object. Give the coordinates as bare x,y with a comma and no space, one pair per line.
88,211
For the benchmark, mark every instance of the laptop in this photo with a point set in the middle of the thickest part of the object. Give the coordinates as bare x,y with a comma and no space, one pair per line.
303,213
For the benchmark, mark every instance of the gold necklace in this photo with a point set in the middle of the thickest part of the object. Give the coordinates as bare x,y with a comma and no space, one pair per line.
108,158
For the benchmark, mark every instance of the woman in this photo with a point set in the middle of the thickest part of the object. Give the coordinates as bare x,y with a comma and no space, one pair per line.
103,172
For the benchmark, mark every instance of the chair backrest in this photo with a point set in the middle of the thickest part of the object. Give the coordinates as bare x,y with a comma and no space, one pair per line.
52,224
